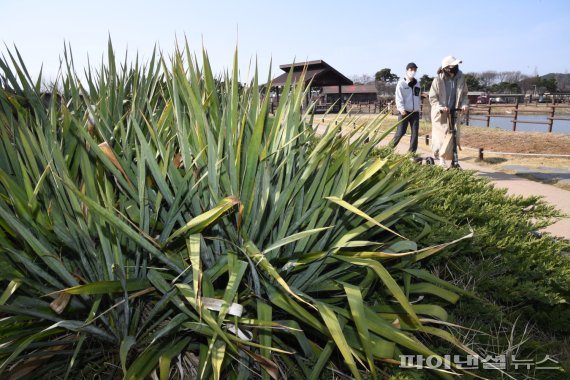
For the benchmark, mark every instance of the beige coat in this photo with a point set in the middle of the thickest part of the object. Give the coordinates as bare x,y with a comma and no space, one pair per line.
437,96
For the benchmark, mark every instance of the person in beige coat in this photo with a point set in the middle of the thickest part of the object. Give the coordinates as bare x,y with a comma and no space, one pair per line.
448,92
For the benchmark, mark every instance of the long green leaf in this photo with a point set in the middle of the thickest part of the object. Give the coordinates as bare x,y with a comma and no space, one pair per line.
200,222
335,330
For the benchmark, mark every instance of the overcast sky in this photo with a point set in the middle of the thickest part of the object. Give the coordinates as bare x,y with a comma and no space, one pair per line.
356,37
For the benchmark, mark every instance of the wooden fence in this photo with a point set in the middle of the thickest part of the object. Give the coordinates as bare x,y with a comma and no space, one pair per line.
549,109
365,107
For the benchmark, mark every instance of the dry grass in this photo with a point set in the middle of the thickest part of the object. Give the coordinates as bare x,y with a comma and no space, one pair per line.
491,140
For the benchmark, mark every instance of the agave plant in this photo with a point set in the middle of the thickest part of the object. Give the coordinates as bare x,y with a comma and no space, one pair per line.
158,221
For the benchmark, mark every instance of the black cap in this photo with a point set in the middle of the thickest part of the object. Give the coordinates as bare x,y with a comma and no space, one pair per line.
411,65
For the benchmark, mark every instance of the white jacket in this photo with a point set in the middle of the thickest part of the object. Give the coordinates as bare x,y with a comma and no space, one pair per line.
407,99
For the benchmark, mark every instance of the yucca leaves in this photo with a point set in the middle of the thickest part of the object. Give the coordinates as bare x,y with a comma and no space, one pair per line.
178,228
357,309
202,221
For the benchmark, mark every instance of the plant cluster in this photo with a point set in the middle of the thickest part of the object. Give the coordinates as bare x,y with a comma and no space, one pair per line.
156,220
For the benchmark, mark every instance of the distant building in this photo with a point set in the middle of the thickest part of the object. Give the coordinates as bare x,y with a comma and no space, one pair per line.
357,93
474,96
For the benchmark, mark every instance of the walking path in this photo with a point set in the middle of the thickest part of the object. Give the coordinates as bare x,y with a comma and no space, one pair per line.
515,185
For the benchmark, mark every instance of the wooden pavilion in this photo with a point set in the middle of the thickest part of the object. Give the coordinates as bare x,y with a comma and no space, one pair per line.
318,74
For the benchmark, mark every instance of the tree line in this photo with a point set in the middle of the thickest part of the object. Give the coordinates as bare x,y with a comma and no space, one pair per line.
487,81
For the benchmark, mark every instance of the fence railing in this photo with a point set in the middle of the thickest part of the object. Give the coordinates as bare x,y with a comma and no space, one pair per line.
480,112
365,107
549,109
352,107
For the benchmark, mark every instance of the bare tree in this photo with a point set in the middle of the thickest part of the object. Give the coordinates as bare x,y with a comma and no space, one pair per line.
363,79
513,76
367,79
385,88
356,79
563,81
501,76
487,78
530,83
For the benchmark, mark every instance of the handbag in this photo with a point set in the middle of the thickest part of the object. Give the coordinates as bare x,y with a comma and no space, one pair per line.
446,151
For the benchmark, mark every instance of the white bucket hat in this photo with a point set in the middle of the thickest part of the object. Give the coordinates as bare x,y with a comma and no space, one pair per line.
450,61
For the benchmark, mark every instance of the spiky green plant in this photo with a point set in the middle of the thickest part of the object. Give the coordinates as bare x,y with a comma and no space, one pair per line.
157,220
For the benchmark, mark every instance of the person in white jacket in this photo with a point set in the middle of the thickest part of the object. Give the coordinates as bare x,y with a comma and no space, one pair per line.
408,104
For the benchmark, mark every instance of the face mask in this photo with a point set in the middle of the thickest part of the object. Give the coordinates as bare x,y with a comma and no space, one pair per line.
411,74
451,70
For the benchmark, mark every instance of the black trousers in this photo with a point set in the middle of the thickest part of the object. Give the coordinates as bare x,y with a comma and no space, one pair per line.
413,120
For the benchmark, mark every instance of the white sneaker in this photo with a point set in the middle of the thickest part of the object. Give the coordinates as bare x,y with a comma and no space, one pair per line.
442,162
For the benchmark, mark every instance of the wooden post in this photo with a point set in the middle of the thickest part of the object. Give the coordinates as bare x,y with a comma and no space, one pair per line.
551,119
339,97
489,116
516,115
481,154
427,139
